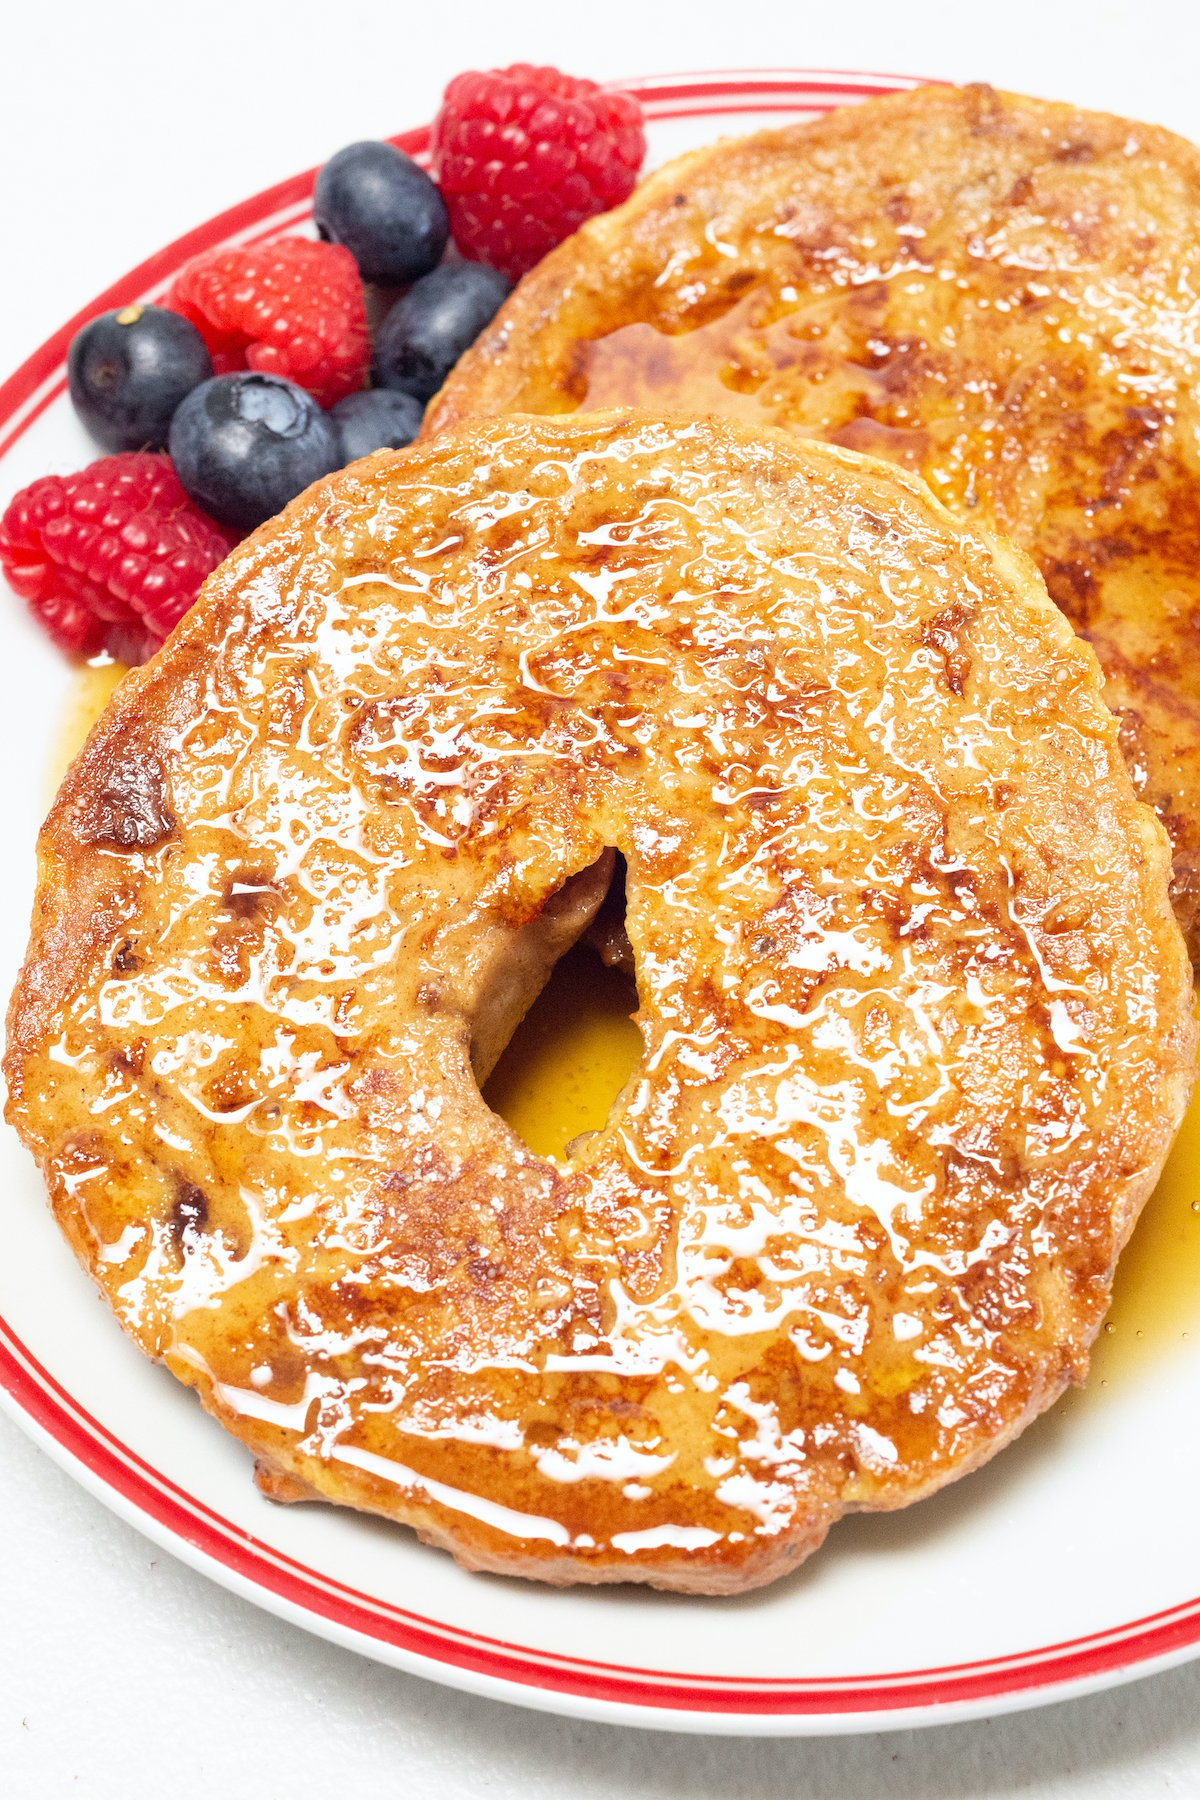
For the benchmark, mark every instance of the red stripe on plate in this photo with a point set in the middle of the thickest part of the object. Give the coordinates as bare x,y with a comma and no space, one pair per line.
234,1548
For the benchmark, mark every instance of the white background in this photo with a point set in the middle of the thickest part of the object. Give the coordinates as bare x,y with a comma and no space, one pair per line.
122,1673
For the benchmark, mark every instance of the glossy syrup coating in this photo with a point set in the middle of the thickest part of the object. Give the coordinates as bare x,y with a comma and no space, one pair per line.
916,1011
1000,293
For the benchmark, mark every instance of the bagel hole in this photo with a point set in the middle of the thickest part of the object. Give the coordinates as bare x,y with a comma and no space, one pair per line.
573,1052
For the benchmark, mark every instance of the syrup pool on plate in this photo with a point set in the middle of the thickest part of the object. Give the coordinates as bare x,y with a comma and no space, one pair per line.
572,1053
1156,1293
570,1056
91,689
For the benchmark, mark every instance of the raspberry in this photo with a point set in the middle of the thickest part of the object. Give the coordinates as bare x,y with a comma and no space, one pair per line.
292,308
523,156
112,557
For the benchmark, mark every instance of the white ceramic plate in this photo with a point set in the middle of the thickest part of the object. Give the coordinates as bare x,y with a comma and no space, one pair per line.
1071,1562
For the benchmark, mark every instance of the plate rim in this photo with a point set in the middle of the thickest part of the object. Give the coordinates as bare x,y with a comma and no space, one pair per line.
191,1530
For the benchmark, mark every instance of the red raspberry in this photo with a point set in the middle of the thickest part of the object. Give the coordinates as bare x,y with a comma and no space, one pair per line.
292,308
112,557
523,156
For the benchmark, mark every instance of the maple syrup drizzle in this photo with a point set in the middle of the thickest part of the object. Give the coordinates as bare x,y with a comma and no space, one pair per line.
578,1044
731,365
739,365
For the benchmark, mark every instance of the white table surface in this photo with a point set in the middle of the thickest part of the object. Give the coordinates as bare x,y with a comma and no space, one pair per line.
123,1673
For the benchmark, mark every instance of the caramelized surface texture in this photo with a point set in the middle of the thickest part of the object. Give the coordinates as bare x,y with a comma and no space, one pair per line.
916,1012
1000,293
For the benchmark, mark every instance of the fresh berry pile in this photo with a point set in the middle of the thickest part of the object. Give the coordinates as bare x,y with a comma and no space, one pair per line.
523,156
252,373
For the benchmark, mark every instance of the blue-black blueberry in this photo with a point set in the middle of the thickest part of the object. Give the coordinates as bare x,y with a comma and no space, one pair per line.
384,208
244,445
127,371
428,329
376,419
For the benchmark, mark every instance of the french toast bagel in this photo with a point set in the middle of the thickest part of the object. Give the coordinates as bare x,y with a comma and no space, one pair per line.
993,291
916,1012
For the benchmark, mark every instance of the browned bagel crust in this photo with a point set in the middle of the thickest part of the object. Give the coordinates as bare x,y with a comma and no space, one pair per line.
916,1012
996,291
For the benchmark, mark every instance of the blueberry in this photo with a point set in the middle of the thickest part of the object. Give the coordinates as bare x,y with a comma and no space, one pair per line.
429,328
128,371
244,445
375,420
384,209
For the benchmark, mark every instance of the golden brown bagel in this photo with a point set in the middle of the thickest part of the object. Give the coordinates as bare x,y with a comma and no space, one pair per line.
916,1011
995,291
